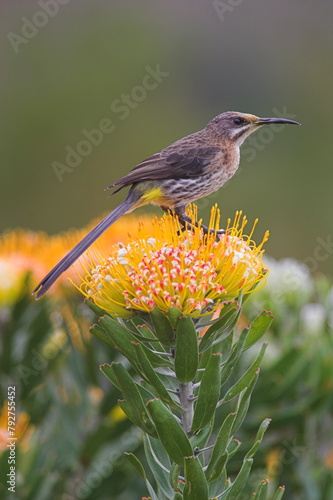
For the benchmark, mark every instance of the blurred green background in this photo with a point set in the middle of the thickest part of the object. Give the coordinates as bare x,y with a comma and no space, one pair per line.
257,57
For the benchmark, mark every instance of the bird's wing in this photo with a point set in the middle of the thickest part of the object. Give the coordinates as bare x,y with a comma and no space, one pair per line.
184,163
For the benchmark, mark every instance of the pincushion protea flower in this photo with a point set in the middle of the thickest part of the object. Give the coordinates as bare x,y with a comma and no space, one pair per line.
23,251
170,267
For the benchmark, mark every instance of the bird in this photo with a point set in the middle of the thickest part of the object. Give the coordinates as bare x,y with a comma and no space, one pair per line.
187,170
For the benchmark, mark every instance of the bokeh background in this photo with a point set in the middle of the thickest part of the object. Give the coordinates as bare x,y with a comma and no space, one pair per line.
63,74
259,57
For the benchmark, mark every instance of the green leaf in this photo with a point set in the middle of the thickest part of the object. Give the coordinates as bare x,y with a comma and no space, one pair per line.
107,371
279,493
146,396
259,437
159,454
95,308
132,459
145,331
145,393
201,437
162,328
170,432
196,487
152,376
178,496
243,402
187,355
209,393
225,347
124,346
233,358
121,339
174,476
213,471
238,485
133,398
219,467
222,326
159,464
262,491
127,410
220,484
233,447
258,328
144,334
173,315
245,380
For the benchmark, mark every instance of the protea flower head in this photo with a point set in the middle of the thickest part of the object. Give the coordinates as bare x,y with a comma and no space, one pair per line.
166,267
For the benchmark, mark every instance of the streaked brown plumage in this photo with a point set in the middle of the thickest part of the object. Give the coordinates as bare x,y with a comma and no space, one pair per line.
183,172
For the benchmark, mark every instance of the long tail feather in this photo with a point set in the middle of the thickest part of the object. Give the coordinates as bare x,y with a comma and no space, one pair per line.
82,246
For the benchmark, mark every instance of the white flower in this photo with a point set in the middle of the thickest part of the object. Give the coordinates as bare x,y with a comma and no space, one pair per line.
313,318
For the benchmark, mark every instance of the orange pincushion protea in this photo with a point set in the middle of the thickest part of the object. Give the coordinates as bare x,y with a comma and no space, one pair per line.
25,252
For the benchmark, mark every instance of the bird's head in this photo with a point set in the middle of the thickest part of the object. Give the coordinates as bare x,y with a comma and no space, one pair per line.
236,127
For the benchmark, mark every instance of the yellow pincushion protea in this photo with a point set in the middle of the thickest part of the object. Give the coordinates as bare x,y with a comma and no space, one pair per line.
170,267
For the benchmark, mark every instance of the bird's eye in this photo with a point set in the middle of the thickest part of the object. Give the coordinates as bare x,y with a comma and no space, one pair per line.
238,121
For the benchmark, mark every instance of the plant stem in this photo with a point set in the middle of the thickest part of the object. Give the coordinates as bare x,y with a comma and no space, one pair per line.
186,400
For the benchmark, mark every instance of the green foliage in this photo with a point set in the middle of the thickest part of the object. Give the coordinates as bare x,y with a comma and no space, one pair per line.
295,388
178,446
74,427
77,430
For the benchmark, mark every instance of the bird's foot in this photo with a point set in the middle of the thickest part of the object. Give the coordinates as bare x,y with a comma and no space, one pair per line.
189,223
206,230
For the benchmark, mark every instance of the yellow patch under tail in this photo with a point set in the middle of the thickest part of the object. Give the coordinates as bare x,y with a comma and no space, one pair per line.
152,195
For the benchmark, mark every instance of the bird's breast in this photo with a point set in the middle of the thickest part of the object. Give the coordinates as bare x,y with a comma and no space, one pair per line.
225,164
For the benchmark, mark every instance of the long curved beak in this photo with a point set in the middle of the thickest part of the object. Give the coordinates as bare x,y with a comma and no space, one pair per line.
267,121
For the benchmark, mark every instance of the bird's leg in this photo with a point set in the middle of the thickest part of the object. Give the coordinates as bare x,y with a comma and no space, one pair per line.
182,217
185,220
